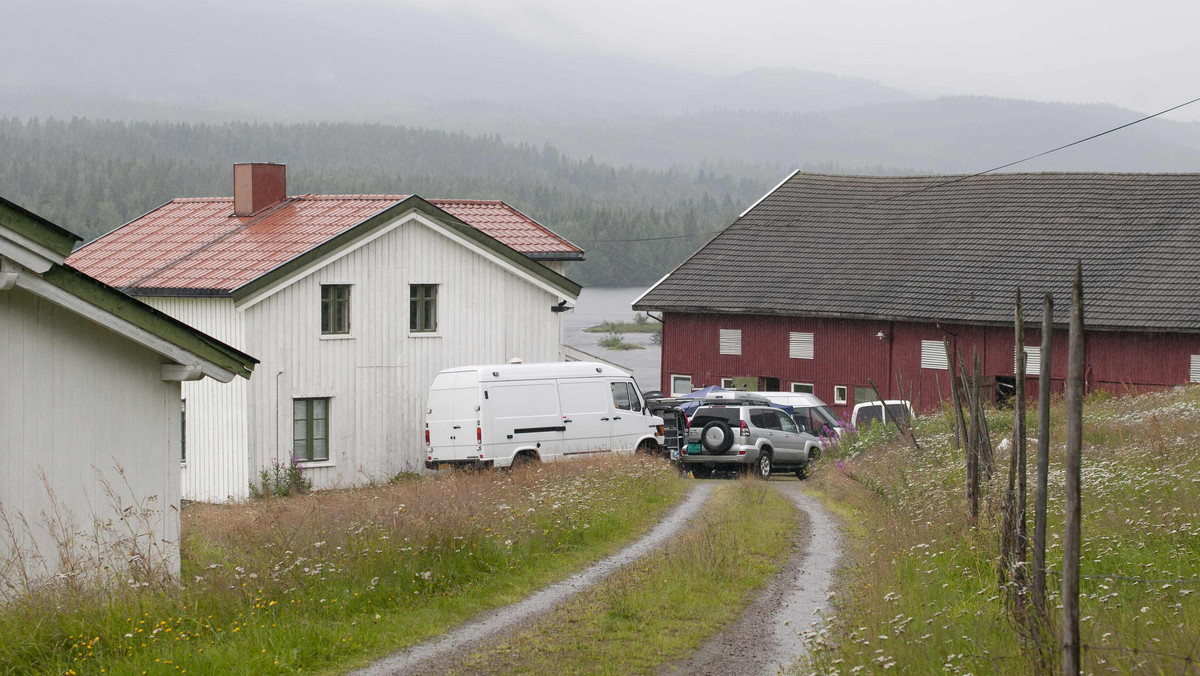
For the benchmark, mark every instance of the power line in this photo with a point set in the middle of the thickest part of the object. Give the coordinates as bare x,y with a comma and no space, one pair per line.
957,179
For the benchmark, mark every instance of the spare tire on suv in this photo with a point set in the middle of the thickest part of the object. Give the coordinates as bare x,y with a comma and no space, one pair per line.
717,436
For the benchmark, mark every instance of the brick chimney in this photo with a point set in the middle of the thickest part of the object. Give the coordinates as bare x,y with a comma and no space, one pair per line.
258,185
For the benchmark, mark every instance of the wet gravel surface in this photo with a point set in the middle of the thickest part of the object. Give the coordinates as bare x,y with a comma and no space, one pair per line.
428,657
768,637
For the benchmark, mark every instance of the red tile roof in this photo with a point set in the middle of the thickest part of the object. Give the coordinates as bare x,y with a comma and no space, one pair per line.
198,244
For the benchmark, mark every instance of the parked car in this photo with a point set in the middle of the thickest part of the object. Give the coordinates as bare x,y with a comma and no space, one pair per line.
675,423
871,411
515,413
744,432
810,411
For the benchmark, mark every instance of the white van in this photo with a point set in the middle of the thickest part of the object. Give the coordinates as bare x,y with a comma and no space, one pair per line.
809,411
506,413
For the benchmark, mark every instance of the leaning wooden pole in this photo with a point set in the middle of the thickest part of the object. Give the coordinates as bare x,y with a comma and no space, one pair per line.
1074,512
1043,459
1020,536
960,427
1008,532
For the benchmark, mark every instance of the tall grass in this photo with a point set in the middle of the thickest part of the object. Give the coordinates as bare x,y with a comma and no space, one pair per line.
920,590
326,580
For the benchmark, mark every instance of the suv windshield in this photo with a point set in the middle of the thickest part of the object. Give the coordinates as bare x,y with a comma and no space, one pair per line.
706,415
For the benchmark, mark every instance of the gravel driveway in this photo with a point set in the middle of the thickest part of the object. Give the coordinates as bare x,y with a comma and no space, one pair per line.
767,638
496,622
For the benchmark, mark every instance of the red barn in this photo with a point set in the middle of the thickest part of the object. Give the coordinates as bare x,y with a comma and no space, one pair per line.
830,283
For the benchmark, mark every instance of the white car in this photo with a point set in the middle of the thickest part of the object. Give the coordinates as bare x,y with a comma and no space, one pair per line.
870,411
513,413
809,411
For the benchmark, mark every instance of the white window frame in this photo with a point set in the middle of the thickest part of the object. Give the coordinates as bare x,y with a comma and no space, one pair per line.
933,356
329,458
845,393
675,392
727,383
801,345
730,341
349,334
811,388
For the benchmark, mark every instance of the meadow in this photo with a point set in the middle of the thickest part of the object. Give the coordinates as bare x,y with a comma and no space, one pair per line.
325,581
919,589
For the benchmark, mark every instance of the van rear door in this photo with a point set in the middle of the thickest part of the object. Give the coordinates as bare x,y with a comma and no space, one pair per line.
453,415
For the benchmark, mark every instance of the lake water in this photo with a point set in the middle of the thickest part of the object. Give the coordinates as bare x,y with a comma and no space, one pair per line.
597,305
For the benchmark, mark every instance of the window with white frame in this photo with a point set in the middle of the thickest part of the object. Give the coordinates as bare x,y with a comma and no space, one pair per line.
803,388
731,341
335,309
1033,361
800,345
1195,370
933,355
422,308
839,394
310,429
681,385
727,383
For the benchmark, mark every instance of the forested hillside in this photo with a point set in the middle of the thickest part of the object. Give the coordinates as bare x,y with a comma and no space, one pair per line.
91,176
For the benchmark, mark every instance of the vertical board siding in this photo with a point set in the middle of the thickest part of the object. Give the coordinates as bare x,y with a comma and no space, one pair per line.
378,378
856,352
218,466
79,403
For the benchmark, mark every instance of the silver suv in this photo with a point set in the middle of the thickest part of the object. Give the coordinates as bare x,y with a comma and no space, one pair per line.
744,433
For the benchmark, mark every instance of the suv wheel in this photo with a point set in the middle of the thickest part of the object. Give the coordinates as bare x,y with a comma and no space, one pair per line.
701,472
762,466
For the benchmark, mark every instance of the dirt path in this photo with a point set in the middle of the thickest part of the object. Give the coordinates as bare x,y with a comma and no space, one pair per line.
500,620
768,637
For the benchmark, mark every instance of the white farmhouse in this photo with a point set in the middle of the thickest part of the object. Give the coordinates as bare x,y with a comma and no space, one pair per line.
90,420
352,302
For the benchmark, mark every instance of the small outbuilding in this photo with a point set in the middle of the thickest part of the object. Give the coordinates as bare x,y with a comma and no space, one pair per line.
90,420
830,284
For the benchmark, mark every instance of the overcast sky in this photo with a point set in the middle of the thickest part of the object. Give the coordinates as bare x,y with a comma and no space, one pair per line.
1139,54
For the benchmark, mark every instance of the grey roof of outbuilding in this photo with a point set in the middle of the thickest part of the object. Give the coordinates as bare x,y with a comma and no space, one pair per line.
953,249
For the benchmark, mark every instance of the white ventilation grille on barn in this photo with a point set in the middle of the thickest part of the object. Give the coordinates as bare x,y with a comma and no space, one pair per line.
800,345
1195,368
1033,361
933,355
731,341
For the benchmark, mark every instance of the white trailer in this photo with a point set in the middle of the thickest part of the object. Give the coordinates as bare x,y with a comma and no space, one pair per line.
505,413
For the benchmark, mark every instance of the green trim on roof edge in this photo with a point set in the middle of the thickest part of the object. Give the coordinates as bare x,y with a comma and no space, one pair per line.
149,319
28,224
411,203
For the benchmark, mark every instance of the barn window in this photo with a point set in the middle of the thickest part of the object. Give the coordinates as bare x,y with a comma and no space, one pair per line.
800,345
933,355
839,394
1195,371
727,383
335,309
310,429
803,388
681,385
422,308
1033,361
731,341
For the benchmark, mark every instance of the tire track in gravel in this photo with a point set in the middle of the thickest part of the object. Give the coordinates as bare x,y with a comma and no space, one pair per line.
496,622
768,636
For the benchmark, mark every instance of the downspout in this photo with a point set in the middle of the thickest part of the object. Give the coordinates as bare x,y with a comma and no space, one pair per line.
277,449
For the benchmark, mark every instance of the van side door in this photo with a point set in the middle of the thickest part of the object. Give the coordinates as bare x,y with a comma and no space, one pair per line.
629,424
586,416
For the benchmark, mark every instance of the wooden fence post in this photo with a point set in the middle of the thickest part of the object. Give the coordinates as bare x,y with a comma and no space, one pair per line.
1073,516
1019,448
1043,460
960,428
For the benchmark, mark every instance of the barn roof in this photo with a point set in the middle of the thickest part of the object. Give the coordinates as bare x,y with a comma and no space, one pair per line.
199,245
953,249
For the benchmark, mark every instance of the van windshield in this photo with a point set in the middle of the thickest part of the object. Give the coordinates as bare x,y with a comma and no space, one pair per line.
826,415
707,415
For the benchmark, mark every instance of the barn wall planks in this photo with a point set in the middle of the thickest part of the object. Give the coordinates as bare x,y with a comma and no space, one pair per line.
78,402
849,352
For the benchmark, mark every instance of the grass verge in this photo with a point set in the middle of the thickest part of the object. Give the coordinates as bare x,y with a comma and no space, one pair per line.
321,582
920,591
666,605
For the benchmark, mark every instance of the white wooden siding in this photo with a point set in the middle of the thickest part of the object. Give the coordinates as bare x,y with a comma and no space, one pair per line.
933,355
800,345
378,380
79,400
731,341
1194,372
218,443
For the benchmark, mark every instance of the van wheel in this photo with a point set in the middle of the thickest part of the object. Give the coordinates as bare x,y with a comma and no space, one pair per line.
523,460
647,447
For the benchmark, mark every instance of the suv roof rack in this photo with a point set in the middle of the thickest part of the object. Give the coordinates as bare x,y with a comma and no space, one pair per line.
736,398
